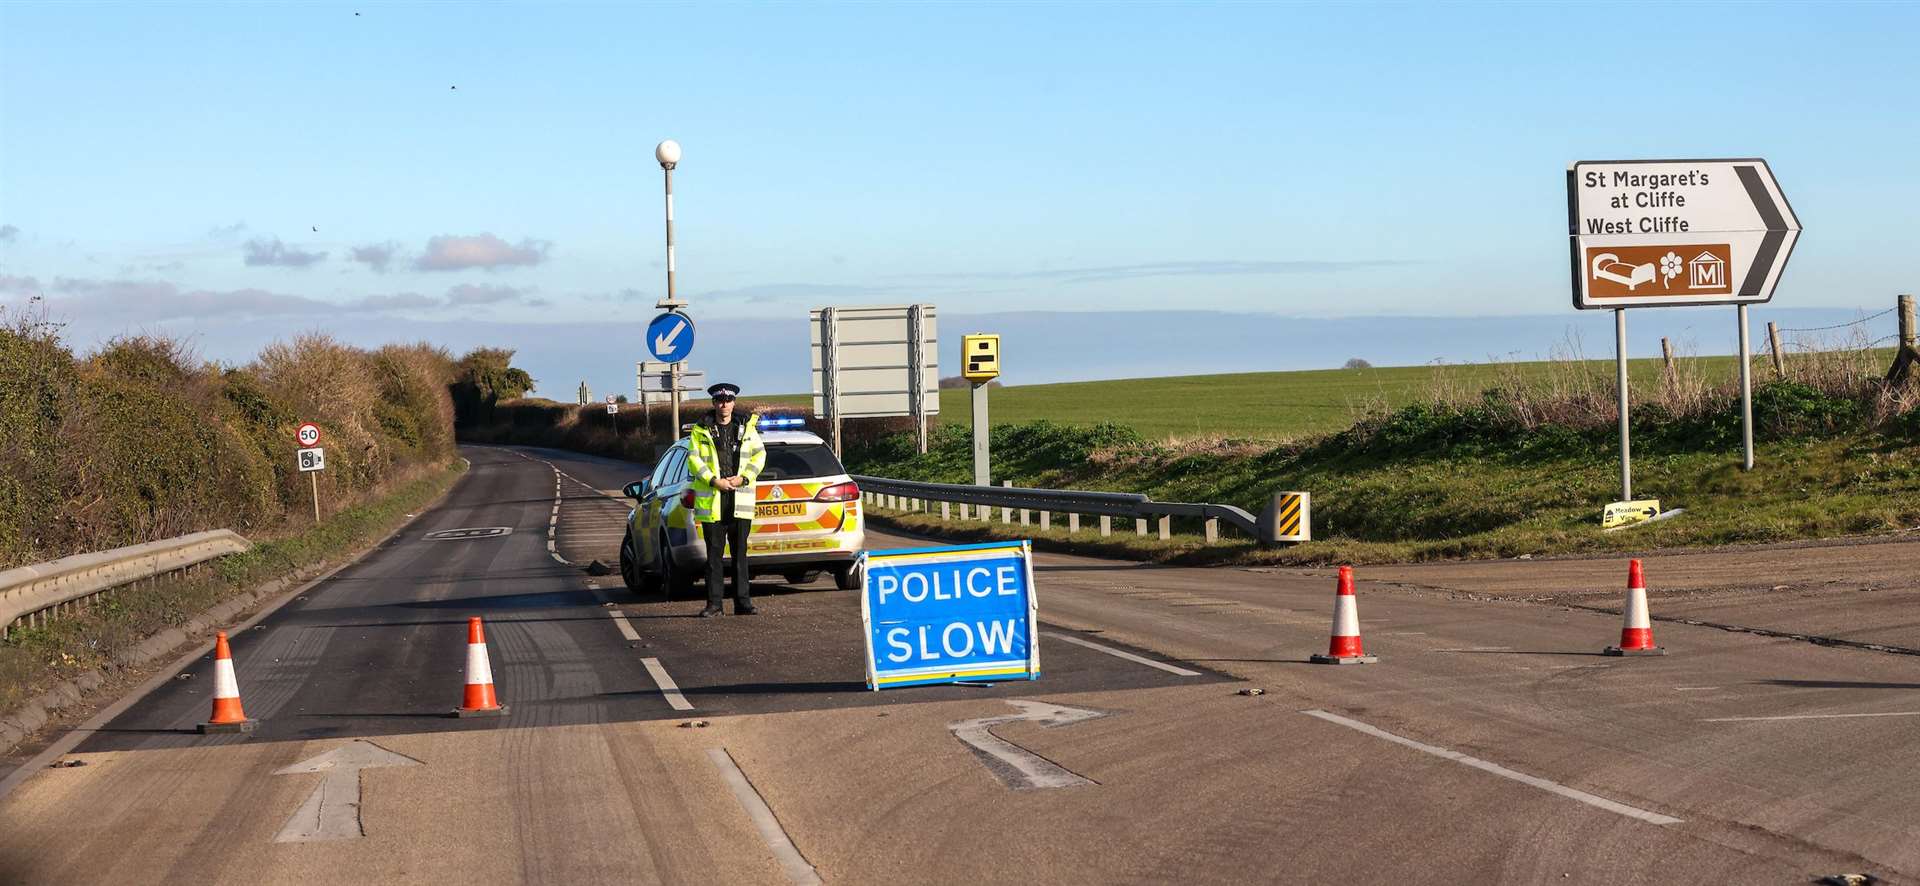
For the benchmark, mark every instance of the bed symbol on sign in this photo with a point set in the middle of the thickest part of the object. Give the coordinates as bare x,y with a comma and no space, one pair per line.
1607,266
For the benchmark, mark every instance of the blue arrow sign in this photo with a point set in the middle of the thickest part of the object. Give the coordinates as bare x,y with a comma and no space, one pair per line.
670,337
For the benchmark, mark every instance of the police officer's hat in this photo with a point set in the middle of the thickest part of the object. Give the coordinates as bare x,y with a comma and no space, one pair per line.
724,391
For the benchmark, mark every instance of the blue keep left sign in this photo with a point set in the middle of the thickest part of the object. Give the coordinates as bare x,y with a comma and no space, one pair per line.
670,337
947,614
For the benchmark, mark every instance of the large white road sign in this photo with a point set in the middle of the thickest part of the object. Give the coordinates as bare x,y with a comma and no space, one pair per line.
1676,232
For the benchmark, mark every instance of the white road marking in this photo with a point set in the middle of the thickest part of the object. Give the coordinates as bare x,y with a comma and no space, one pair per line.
626,627
791,861
1171,669
668,688
1502,771
1693,688
1476,649
1810,717
332,811
1030,770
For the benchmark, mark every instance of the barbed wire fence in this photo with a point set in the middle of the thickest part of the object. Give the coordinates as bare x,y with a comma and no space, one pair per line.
1852,324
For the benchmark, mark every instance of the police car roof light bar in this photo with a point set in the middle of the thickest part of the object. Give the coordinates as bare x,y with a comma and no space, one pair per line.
781,422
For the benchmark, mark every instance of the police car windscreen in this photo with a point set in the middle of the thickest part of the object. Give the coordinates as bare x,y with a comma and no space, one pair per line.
800,461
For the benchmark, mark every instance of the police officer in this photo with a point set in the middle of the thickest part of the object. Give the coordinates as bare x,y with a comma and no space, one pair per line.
726,456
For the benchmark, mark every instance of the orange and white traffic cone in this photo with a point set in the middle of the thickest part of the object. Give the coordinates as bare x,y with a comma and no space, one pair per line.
227,716
481,700
1344,647
1636,629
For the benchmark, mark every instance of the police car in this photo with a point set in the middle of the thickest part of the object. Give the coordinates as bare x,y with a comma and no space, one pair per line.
806,517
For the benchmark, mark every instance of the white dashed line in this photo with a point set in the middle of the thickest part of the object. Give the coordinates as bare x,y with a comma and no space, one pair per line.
1810,717
626,627
1502,771
668,688
1177,671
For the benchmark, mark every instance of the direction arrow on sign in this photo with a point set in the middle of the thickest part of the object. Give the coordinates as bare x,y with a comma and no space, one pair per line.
670,337
332,811
1676,232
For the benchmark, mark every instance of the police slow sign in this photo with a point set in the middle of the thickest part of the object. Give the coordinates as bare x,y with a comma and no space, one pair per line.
950,614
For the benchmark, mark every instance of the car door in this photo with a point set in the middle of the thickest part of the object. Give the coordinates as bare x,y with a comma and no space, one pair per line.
652,508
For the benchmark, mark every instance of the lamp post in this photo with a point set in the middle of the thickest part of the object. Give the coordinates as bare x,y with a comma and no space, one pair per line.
668,153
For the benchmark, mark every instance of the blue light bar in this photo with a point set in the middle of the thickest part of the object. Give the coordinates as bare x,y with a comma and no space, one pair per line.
781,422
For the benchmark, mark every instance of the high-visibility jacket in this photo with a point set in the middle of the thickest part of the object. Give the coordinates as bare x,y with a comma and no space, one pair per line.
704,461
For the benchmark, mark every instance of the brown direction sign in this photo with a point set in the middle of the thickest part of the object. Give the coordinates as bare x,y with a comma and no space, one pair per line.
1647,233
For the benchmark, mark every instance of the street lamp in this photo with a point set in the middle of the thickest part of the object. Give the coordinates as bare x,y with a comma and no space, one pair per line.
668,153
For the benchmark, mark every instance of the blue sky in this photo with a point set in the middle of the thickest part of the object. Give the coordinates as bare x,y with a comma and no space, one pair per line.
163,167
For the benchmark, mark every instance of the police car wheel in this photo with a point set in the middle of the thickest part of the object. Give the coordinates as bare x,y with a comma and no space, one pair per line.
846,578
800,576
636,579
675,580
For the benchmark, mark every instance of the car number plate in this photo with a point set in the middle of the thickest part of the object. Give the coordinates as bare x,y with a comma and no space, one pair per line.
784,509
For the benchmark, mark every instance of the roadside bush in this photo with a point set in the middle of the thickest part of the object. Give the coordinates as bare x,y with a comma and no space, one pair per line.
141,440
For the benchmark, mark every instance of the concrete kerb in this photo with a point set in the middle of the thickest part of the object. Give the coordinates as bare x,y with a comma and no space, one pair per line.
37,713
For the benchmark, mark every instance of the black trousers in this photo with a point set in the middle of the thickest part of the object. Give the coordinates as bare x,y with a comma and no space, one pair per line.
717,534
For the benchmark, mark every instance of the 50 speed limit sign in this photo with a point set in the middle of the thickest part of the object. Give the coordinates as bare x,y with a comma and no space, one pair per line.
308,435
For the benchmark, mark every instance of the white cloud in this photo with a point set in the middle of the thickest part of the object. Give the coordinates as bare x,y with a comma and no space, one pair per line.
448,252
156,300
468,295
273,253
375,255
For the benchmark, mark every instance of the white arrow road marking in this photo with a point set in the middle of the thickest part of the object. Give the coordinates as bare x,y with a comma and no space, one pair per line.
1029,770
332,811
664,341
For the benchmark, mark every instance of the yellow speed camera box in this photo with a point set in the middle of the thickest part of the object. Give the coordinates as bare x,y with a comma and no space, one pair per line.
982,356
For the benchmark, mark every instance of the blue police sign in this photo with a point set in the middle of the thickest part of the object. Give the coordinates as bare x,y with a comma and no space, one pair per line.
943,615
670,337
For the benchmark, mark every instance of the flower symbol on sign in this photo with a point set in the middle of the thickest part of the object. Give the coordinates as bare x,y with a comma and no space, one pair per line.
1669,267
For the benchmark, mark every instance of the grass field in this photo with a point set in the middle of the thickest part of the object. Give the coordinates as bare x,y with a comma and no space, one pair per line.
1278,405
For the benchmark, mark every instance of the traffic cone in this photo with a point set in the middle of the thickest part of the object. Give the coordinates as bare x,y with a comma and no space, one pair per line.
1344,648
481,700
227,716
1636,629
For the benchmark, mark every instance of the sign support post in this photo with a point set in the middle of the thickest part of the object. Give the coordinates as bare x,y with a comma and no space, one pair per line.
830,372
315,477
982,466
1746,390
916,373
1620,378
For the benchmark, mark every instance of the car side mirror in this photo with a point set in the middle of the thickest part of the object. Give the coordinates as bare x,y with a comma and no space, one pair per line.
636,490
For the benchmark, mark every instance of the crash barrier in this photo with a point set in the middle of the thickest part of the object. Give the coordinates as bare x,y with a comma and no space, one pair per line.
1287,517
31,596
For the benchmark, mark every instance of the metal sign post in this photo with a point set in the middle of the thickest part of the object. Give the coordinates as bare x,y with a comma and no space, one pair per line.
668,153
1746,390
312,462
917,380
1620,378
982,463
830,368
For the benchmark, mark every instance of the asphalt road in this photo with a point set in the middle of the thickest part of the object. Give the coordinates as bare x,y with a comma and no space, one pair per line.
1492,743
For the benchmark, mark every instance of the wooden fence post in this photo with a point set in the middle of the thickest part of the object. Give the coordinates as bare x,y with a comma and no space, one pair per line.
1773,342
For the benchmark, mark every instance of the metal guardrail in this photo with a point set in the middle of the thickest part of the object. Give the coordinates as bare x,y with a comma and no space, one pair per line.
33,595
1073,503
